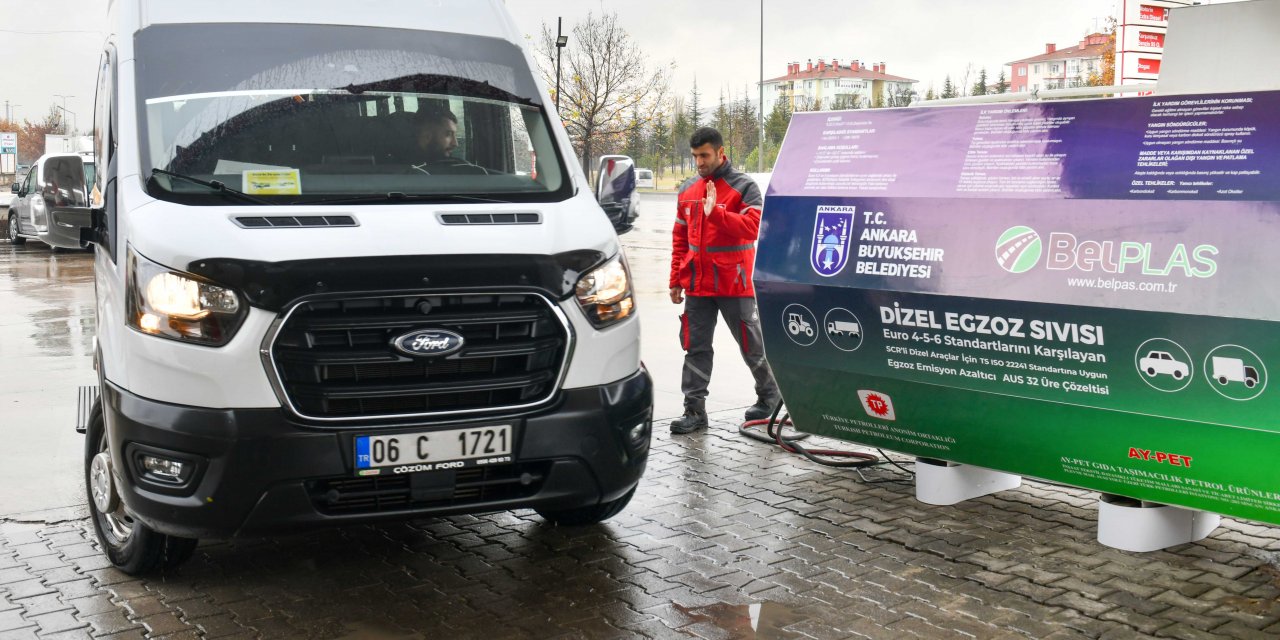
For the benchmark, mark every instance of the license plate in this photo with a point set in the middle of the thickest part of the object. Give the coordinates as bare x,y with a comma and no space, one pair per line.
433,450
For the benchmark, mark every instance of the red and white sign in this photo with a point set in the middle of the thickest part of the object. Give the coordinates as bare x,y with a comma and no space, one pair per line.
1149,12
1140,39
1140,67
877,405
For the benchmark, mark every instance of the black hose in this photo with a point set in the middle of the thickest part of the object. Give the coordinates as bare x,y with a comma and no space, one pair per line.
791,443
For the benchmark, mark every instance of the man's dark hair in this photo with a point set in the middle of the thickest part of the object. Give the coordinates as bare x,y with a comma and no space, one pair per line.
706,135
436,115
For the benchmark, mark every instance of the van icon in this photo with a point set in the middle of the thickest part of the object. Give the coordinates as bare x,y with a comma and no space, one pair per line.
1234,370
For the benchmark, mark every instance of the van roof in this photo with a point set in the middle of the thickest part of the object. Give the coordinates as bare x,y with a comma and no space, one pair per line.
475,17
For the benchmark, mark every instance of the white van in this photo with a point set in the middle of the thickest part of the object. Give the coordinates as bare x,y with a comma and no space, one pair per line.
46,185
644,179
335,286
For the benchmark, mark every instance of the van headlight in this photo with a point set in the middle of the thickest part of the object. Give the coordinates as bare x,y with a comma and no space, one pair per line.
604,293
180,306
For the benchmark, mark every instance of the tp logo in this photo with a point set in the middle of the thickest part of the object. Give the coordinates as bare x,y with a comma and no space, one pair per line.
832,228
1018,249
877,405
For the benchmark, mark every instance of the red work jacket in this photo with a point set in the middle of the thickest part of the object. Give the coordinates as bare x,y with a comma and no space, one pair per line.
713,254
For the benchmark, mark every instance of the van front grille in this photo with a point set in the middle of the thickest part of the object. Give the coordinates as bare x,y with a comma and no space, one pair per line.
473,486
334,358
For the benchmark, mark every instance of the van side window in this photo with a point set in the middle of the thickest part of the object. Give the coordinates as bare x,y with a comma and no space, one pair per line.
102,190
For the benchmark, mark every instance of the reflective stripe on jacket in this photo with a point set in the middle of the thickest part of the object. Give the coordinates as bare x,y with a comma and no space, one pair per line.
713,254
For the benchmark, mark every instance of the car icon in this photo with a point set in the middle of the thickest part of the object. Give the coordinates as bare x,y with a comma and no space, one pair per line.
1160,362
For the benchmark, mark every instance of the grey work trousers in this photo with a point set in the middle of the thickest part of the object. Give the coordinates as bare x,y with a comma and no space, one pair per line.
698,327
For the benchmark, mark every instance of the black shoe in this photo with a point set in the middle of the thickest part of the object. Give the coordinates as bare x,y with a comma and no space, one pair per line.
692,421
761,409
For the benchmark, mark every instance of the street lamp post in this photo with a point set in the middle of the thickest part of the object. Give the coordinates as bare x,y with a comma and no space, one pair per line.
561,41
760,109
64,110
75,124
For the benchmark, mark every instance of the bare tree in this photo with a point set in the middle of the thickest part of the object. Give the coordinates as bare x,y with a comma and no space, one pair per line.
604,82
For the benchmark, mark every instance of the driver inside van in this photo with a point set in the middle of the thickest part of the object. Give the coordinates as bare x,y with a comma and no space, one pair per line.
438,138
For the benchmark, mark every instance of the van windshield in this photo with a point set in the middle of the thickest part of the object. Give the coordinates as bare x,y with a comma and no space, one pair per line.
307,113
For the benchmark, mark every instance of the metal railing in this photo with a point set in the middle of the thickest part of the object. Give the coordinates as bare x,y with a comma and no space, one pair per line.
1042,94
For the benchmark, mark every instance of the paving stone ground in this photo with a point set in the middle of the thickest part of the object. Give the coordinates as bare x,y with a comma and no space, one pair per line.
721,523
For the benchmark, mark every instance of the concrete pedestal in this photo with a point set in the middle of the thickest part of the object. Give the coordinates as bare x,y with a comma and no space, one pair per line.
940,482
1133,525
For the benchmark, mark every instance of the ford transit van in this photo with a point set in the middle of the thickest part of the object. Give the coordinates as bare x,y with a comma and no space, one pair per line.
348,270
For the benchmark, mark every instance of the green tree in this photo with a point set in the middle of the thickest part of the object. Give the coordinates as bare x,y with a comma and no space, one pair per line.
660,145
606,79
949,89
1105,74
695,107
980,87
847,101
770,156
1002,83
775,126
635,146
681,129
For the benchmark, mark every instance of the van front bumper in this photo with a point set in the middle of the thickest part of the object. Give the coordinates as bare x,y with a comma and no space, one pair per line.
257,471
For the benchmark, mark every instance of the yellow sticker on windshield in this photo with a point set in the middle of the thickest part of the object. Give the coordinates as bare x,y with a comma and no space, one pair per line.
286,182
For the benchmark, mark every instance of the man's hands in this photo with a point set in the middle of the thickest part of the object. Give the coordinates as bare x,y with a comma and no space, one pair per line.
710,202
677,295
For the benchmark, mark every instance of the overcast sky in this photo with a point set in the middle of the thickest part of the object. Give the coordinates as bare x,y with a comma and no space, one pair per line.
53,44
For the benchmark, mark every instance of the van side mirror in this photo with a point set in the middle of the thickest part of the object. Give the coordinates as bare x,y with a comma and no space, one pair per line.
16,188
616,191
67,201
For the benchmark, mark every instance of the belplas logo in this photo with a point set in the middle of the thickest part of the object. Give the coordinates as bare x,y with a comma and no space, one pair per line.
1019,249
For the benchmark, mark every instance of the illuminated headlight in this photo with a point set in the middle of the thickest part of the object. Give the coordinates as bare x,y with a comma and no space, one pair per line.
179,306
605,293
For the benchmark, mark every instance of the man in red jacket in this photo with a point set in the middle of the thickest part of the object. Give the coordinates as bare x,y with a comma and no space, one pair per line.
713,253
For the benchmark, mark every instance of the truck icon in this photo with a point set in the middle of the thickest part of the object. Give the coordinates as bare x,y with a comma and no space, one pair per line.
1160,362
1234,370
843,328
797,325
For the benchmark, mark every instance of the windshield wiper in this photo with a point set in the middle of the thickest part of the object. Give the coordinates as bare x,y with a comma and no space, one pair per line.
396,196
215,185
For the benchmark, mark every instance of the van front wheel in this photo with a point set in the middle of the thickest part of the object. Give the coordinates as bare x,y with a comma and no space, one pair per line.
130,545
11,230
588,515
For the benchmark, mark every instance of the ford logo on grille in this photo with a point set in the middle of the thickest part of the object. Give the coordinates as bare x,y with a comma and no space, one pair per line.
428,343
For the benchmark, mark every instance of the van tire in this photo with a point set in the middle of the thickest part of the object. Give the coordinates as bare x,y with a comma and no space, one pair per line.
142,551
11,230
588,515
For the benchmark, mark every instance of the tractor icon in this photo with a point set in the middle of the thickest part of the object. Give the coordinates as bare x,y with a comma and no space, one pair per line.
796,325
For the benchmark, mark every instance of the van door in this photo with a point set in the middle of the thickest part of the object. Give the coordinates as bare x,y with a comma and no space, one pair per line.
26,214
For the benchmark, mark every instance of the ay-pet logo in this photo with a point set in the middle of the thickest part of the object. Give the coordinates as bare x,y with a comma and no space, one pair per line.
832,231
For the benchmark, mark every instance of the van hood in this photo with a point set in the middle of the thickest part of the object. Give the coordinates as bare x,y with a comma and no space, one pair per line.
386,248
